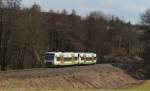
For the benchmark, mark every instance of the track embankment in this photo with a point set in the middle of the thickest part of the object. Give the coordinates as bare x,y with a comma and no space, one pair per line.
90,76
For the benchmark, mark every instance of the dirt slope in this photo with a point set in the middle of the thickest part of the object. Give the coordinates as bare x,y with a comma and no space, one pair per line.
92,76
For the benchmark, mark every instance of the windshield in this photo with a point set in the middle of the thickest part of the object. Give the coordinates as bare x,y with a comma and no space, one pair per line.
49,56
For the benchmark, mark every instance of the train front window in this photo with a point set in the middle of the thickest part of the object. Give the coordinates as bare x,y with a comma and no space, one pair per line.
49,56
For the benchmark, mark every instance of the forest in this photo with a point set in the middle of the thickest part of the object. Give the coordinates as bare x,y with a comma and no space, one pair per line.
26,33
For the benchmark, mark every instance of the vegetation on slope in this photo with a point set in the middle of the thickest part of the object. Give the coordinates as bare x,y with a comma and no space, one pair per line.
102,76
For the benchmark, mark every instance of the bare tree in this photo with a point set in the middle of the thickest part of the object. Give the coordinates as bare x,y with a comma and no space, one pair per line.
6,10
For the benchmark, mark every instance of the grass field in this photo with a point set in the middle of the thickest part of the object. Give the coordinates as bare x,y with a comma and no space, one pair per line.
143,87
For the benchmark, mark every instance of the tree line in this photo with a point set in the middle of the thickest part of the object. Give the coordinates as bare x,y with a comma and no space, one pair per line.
26,33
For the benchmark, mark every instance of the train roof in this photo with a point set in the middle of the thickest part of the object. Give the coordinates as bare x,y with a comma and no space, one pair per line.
81,53
69,54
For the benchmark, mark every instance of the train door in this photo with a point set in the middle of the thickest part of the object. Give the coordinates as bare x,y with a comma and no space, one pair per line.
73,58
85,58
62,59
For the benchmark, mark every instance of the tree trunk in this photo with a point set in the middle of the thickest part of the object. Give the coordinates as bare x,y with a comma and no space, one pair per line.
37,56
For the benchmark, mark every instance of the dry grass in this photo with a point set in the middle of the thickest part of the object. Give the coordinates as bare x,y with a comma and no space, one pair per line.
144,87
87,78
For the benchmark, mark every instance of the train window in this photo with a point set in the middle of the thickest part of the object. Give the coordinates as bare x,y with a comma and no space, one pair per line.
49,56
82,58
58,58
89,58
76,58
95,58
68,59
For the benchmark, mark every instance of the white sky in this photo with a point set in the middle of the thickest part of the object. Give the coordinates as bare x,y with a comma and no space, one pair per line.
129,10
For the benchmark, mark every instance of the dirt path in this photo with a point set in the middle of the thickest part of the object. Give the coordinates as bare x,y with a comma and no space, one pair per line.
91,76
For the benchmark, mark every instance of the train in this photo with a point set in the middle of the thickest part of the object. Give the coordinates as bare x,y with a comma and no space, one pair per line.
55,59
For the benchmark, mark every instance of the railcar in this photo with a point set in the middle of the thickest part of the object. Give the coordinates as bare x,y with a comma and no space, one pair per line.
53,59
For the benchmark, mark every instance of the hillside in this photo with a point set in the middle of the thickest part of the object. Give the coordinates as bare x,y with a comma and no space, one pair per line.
91,76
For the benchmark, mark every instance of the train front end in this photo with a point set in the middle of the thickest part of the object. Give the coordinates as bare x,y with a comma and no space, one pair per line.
49,59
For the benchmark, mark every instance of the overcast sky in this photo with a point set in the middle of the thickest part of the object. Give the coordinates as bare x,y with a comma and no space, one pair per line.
129,10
